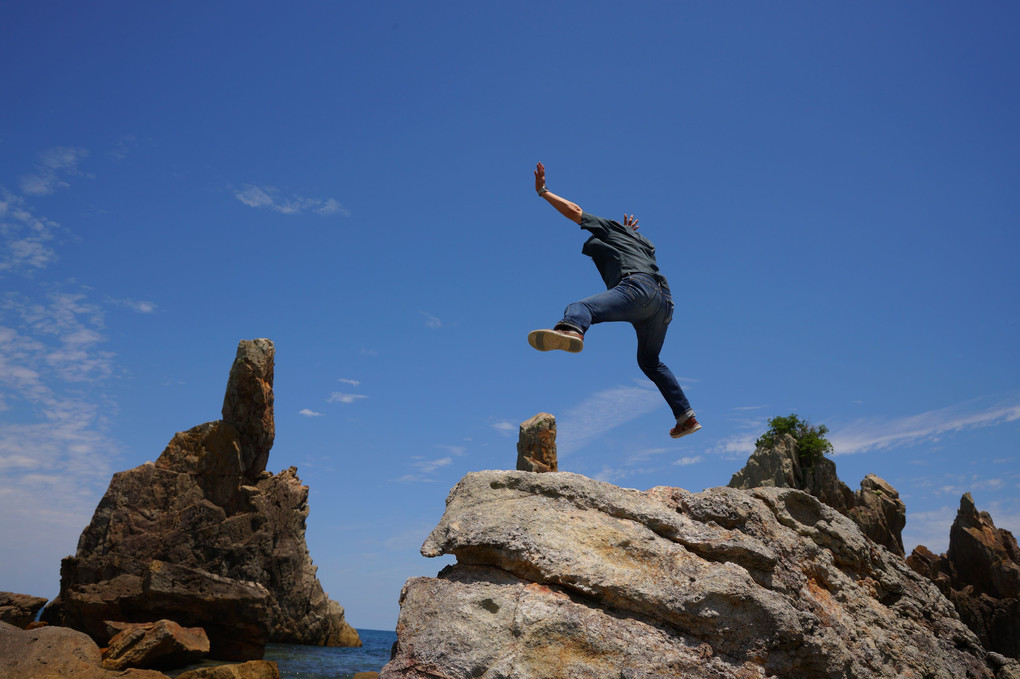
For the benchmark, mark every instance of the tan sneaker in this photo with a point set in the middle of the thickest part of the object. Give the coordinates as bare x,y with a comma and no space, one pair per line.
689,426
563,340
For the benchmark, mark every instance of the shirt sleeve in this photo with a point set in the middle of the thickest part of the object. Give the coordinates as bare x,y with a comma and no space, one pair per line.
597,225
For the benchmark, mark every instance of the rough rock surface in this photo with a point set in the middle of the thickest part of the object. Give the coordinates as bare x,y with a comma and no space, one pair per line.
56,653
876,507
980,574
19,609
253,669
206,537
536,444
880,513
559,575
163,644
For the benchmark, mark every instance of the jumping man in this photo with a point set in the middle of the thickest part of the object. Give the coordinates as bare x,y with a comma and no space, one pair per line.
635,293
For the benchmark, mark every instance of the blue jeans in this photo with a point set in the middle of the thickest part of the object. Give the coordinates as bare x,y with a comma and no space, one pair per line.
642,301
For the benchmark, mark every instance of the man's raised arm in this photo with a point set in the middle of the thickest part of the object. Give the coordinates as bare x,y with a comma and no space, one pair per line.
569,210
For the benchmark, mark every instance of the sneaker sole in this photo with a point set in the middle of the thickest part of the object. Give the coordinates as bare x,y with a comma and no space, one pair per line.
682,434
550,340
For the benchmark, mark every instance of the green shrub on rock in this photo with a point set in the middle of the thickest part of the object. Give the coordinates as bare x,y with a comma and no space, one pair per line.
811,442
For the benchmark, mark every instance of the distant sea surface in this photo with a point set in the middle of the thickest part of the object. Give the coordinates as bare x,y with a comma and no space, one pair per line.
319,662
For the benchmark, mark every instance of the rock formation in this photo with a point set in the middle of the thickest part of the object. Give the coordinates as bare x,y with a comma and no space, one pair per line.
253,669
162,644
536,444
876,507
558,575
206,537
19,609
56,653
980,574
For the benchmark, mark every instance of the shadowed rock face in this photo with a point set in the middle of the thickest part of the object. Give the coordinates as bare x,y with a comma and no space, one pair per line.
981,576
876,507
558,575
206,537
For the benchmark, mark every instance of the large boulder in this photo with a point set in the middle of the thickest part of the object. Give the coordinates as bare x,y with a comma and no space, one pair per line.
163,644
206,537
876,507
558,575
980,573
19,609
56,653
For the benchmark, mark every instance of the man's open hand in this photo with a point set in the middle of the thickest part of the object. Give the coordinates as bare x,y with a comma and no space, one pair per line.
539,177
631,221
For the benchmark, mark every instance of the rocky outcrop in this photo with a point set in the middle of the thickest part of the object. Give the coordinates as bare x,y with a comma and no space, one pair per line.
880,513
253,669
558,575
980,574
19,609
56,653
163,644
876,507
206,537
536,444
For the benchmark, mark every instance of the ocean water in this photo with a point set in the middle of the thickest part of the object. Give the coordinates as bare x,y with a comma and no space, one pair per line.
317,662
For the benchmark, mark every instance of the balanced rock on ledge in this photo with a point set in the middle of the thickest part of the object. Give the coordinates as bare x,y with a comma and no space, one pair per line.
206,537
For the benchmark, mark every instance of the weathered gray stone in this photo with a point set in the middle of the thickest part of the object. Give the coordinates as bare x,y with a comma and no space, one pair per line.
19,609
536,444
876,507
208,512
880,513
560,575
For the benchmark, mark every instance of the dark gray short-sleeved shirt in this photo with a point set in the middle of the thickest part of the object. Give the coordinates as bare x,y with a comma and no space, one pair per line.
618,250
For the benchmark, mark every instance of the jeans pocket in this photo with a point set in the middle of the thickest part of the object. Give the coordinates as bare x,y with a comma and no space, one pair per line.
639,291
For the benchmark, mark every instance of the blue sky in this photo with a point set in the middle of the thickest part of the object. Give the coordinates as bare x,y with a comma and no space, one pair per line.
831,188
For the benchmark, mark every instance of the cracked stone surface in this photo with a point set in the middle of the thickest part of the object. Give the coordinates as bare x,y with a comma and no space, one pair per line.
559,575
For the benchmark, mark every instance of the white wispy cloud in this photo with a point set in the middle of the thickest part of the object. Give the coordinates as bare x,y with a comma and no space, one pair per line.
424,469
269,197
687,461
353,383
880,433
25,239
53,166
930,528
458,451
431,321
138,305
56,460
307,412
341,397
505,427
124,147
602,412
